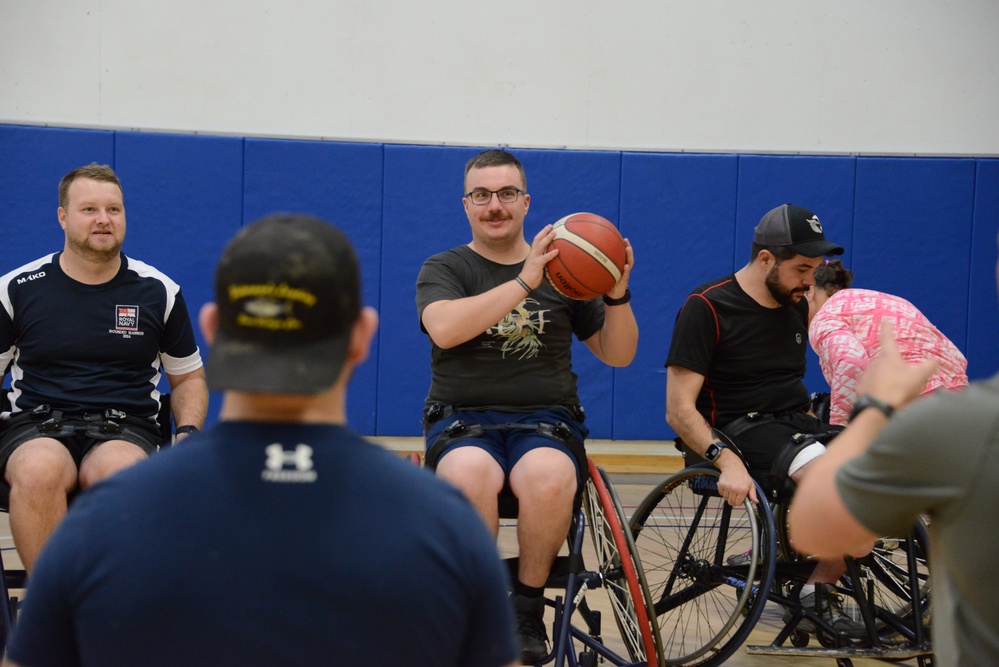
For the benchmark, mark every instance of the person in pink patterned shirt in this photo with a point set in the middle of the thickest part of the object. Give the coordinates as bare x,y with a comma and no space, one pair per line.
843,330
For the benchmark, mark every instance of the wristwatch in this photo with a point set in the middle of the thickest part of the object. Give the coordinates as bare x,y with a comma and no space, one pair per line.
714,450
868,401
186,428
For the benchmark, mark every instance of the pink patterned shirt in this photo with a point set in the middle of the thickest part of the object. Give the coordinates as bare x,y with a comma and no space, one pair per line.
844,333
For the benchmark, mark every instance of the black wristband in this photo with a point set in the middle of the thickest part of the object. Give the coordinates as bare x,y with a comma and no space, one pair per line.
619,302
522,283
868,401
186,428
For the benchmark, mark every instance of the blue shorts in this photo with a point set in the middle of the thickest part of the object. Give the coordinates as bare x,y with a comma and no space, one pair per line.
508,446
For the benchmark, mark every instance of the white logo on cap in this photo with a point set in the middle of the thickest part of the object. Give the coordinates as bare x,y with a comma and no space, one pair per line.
814,223
278,458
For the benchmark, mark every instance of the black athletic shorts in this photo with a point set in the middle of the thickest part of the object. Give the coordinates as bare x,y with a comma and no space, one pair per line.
79,437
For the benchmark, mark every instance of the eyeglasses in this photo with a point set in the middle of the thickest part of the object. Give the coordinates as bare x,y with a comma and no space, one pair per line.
481,196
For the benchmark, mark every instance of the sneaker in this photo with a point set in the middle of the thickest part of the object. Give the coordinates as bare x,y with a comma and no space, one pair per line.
742,560
531,632
829,608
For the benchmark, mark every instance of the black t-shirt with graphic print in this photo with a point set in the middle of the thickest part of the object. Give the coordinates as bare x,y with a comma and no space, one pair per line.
523,362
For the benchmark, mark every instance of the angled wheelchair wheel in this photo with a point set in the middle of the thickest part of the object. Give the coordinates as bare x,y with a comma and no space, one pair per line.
895,576
709,565
621,571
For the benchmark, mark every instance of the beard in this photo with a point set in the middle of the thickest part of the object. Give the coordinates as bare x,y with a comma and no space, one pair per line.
89,252
783,295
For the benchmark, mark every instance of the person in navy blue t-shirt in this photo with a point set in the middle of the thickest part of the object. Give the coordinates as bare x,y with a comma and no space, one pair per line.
85,334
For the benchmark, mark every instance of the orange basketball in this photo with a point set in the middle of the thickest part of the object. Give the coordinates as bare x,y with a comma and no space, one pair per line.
591,256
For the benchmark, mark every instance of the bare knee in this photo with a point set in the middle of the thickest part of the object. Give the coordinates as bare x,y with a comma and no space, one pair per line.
544,476
41,468
107,458
473,471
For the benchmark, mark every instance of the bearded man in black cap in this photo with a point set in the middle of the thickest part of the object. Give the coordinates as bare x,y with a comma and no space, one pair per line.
736,363
278,536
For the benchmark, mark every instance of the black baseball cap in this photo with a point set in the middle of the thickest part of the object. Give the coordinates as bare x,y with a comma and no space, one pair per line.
288,289
796,228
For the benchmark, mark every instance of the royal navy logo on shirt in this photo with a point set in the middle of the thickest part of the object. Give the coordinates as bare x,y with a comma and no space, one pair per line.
294,465
126,321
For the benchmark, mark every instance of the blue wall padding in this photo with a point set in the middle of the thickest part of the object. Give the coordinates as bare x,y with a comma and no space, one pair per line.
678,211
338,182
983,312
32,160
912,235
183,203
924,228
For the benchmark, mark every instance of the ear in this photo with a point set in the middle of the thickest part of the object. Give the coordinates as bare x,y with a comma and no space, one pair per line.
527,202
766,258
362,335
61,217
208,319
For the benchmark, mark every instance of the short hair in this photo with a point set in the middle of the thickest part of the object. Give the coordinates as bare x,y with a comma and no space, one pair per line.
93,171
779,252
495,157
833,276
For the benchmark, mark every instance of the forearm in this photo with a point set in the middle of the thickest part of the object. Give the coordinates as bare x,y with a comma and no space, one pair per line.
189,399
618,336
457,321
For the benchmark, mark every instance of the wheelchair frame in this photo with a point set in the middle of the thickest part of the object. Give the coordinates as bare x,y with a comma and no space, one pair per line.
717,566
618,571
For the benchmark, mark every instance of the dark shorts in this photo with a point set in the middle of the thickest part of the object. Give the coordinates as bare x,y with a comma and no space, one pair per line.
508,446
763,444
77,435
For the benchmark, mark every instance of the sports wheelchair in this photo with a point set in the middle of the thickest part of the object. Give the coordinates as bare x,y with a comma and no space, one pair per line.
712,568
576,630
16,579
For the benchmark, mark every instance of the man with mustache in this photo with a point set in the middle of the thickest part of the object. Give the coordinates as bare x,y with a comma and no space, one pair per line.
501,340
736,363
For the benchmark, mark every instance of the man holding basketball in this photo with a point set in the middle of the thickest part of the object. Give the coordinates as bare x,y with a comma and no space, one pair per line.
501,338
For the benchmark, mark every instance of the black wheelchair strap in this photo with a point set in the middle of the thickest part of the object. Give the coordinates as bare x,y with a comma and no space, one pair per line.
740,425
559,431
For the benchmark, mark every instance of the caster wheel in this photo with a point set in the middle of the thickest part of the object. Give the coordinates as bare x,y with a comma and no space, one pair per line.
799,638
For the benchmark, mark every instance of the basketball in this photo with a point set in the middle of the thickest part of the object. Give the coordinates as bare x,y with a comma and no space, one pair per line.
591,256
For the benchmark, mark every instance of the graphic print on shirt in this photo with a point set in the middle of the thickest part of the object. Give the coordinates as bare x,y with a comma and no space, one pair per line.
279,460
520,330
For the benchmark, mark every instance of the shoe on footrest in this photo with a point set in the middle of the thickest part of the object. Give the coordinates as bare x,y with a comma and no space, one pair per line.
828,605
531,632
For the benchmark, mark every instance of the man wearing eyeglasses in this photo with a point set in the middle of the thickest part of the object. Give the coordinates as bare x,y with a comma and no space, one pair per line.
503,406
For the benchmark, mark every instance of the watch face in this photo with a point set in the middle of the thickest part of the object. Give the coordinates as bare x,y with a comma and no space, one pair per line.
712,452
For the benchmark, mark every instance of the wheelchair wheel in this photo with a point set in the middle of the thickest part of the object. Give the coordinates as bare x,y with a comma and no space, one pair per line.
709,565
885,580
622,572
898,598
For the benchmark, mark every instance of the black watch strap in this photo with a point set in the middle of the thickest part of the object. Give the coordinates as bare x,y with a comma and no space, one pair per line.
619,302
868,401
187,428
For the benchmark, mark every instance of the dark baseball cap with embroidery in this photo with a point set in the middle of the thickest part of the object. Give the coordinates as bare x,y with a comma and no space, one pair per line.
796,228
288,289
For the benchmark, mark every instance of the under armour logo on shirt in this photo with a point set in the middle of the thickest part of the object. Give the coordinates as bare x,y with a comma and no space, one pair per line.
278,459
